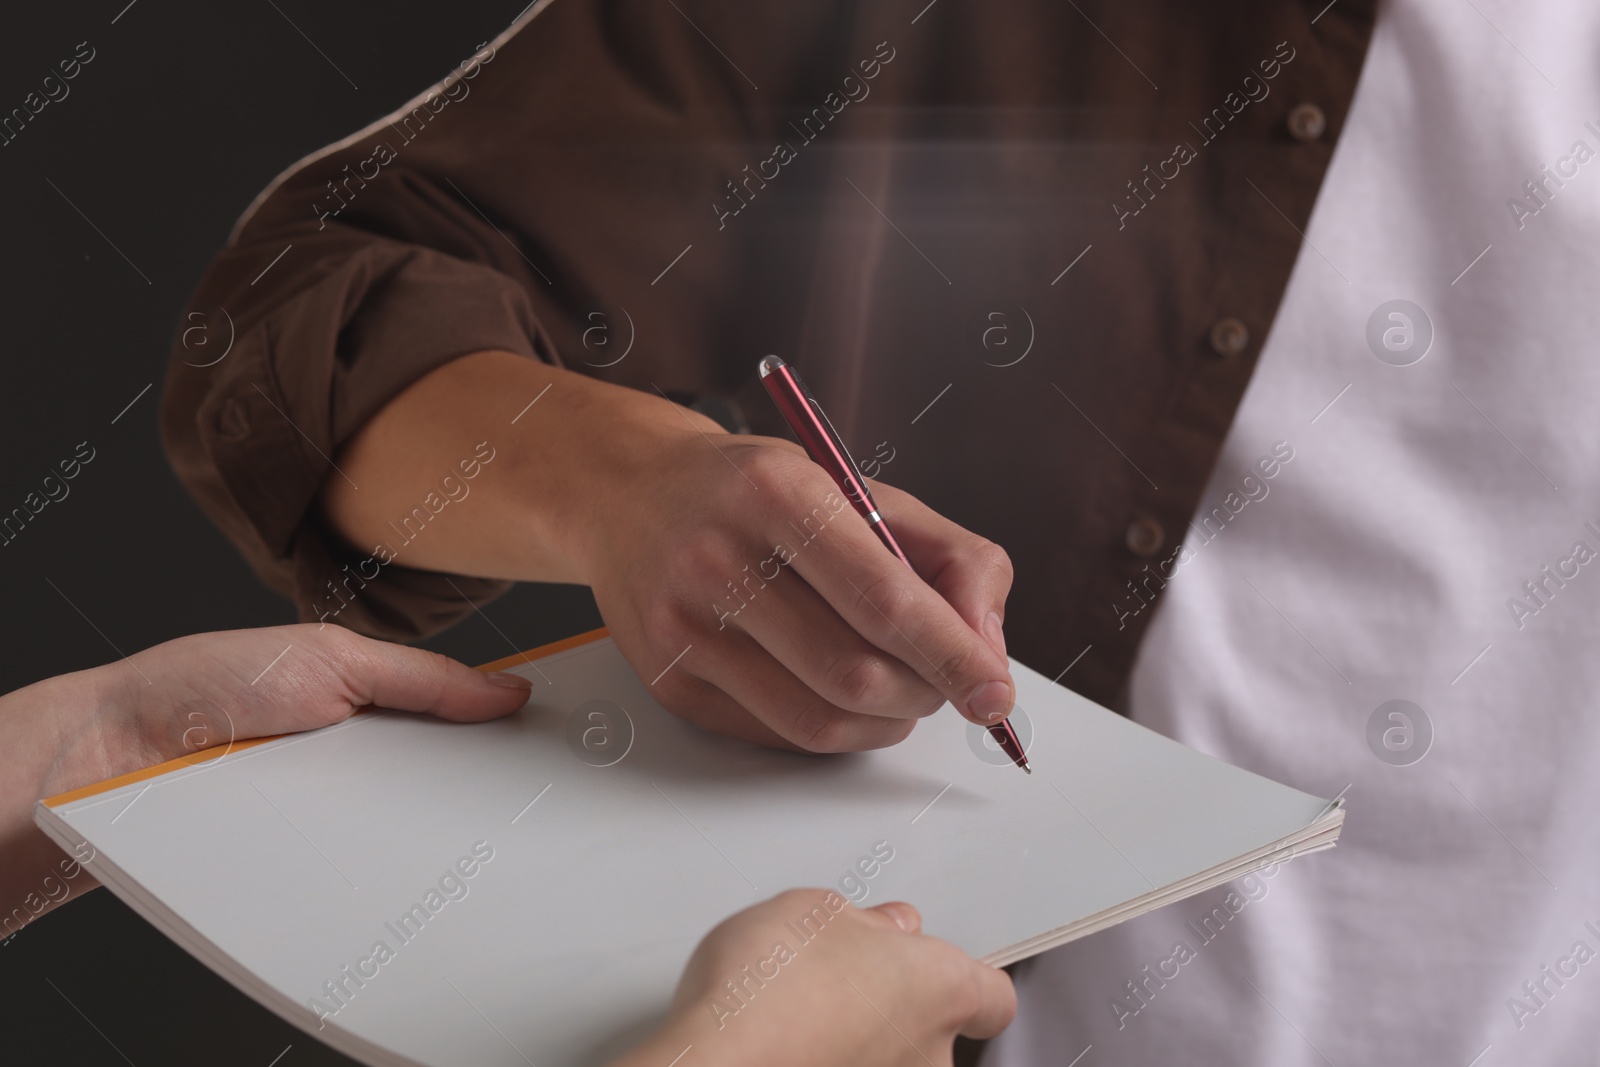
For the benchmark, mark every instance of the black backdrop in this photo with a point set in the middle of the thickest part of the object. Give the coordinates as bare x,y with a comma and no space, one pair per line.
114,198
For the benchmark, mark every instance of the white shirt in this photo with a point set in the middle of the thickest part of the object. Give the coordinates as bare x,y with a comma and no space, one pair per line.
1381,565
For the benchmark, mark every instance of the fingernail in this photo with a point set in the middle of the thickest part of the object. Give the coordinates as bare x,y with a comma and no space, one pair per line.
990,701
507,680
993,631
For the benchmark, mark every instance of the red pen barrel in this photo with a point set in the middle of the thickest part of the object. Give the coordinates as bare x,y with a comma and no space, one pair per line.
817,437
881,528
822,443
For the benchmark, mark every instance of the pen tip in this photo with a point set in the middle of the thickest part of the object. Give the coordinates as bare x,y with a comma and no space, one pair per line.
1027,769
770,364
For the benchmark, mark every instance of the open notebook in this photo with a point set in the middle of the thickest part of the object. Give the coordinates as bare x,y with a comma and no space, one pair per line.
538,882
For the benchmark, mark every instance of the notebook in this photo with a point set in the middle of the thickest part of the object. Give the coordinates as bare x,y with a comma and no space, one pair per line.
523,891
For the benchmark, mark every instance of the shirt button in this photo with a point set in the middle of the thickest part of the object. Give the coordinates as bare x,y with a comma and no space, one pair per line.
1307,122
1145,537
1229,337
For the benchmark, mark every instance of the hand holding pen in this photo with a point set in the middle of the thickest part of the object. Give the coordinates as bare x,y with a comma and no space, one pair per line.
822,443
728,567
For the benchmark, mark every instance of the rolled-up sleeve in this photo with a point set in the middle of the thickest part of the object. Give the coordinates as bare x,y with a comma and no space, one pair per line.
555,177
322,324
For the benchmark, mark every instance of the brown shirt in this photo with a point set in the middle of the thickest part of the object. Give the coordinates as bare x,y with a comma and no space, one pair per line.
1025,255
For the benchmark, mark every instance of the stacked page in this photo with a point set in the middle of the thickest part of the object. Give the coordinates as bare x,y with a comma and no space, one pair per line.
526,891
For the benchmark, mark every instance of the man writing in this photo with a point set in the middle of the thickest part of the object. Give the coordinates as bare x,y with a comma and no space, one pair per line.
1039,261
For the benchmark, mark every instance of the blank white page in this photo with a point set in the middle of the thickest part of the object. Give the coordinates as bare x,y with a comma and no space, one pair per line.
280,864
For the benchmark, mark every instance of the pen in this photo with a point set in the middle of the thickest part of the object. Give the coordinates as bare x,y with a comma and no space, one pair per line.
821,441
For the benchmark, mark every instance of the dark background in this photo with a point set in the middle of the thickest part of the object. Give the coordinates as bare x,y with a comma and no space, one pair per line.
185,112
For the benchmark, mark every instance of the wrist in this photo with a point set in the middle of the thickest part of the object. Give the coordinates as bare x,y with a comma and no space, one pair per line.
586,475
101,718
573,459
50,734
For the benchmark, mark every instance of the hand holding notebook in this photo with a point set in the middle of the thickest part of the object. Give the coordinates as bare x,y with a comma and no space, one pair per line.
306,869
78,729
202,692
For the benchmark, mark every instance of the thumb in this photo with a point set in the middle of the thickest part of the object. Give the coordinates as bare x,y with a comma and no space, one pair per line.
414,679
996,999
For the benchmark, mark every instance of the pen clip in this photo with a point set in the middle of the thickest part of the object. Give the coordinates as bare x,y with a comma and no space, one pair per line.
834,438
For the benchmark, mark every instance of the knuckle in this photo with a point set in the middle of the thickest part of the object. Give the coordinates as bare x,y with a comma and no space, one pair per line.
665,619
996,560
956,663
435,670
342,650
801,901
701,588
701,561
886,601
821,728
859,681
770,469
338,640
829,730
930,701
892,733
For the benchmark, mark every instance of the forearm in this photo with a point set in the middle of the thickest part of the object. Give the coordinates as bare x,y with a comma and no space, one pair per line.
563,448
